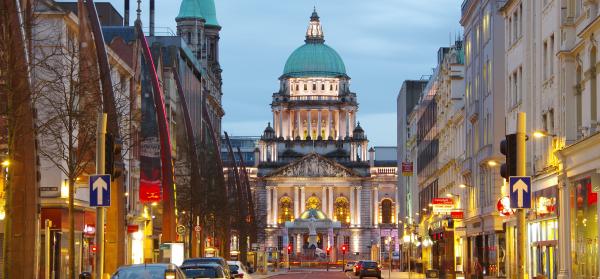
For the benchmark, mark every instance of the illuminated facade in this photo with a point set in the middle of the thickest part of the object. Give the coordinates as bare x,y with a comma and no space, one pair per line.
312,162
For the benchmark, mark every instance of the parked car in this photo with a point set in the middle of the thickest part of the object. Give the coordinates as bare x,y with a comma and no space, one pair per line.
237,269
150,271
369,269
217,260
208,270
356,268
349,266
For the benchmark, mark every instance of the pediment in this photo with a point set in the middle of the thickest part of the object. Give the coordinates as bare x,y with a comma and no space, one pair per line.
313,165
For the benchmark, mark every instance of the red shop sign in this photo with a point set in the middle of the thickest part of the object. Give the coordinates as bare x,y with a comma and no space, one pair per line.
448,201
457,215
132,228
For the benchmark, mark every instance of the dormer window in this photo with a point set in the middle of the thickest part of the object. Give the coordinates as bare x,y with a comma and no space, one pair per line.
314,86
305,88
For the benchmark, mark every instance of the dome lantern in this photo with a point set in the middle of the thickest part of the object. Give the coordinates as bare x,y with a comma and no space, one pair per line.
314,32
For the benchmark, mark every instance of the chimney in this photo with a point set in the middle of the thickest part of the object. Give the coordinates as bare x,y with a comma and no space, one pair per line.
126,20
371,157
151,17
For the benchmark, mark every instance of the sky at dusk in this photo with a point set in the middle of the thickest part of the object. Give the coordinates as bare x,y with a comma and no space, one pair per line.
382,42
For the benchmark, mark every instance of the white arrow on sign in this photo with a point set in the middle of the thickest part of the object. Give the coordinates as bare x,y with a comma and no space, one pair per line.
99,186
520,187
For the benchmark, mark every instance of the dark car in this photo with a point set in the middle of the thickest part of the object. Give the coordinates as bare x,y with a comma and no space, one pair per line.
197,261
357,267
369,269
210,270
149,271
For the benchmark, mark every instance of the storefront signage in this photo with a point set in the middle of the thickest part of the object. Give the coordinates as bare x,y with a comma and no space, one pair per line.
132,228
407,168
457,215
503,206
442,205
89,229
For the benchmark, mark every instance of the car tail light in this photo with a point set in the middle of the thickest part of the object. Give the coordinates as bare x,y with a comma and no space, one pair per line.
241,275
170,274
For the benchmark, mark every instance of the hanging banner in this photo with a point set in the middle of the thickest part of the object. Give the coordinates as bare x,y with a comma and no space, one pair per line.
407,168
150,171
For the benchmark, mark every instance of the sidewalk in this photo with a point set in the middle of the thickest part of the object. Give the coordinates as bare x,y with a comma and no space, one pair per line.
401,275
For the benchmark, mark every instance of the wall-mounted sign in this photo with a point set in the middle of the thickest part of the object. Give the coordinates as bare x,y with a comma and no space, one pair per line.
132,228
407,168
442,205
457,215
503,207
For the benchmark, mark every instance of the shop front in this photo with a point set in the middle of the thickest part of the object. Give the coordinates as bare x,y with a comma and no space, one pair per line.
542,234
85,248
441,233
584,225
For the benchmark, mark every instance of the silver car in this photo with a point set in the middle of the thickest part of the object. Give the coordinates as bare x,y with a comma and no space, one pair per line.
349,266
148,271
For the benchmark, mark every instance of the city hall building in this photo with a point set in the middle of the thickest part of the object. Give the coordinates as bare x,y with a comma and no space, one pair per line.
318,184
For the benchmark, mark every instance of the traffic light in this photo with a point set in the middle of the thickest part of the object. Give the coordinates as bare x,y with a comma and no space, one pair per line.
289,249
344,249
508,147
328,250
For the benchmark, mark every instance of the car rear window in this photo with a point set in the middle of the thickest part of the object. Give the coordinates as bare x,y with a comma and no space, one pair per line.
234,267
369,264
141,272
202,272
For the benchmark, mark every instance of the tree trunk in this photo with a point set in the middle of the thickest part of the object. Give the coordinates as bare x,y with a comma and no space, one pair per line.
71,229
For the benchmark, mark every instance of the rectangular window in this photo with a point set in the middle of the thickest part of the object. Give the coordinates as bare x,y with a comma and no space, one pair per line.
280,243
545,60
551,55
347,240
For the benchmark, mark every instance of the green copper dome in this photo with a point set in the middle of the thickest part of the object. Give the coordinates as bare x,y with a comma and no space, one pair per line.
199,9
314,60
189,9
209,12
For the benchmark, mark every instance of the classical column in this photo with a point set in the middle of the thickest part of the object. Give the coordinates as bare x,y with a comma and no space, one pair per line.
269,201
290,125
375,206
275,206
280,123
298,123
330,209
358,196
328,133
324,199
296,202
299,241
347,125
318,123
308,112
302,200
275,121
337,124
353,120
352,212
564,225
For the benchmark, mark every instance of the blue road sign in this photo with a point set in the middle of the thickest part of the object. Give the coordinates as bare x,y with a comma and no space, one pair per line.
100,190
520,191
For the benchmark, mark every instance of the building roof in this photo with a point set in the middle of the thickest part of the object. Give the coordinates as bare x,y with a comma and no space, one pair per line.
314,58
199,9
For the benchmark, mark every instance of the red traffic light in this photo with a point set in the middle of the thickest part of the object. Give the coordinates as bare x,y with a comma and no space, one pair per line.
344,249
289,248
328,250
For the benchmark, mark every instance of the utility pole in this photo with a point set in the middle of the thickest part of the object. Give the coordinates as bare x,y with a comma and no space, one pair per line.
100,158
521,171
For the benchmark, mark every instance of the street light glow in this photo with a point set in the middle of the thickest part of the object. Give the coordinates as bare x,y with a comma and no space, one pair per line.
5,163
492,163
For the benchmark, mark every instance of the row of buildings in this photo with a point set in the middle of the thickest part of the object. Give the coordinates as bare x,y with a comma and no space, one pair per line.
189,77
537,57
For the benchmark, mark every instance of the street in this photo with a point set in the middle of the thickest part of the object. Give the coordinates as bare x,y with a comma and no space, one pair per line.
335,274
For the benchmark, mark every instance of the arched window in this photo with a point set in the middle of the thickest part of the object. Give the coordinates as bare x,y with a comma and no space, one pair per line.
322,86
285,209
342,210
314,86
386,211
305,86
331,87
313,202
